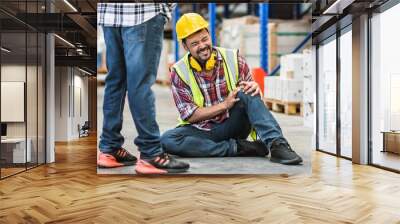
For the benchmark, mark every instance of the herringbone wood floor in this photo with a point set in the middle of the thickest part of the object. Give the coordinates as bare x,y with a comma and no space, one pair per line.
70,191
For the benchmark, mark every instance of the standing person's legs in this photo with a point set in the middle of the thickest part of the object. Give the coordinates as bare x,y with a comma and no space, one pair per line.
114,92
142,45
111,152
142,48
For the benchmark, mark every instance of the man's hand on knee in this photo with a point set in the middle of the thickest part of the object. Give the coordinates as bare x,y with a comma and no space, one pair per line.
250,87
231,99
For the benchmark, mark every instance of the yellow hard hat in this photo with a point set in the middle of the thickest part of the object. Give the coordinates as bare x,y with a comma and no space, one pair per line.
188,24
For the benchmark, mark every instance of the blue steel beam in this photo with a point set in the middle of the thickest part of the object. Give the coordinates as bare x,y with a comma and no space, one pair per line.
176,15
264,16
212,17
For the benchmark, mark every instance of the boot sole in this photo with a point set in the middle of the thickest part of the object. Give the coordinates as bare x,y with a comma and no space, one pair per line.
168,171
122,164
295,161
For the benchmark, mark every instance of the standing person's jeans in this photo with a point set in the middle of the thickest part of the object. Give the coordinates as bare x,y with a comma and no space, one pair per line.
188,141
133,55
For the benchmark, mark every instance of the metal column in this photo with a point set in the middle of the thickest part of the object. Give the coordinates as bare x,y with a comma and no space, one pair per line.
176,15
212,17
264,15
360,65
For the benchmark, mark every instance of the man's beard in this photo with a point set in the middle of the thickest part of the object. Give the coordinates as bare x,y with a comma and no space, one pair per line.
203,60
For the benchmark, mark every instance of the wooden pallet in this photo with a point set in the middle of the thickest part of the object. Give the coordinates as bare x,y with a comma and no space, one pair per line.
289,108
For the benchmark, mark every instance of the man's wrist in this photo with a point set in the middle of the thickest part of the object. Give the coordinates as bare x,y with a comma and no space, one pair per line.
224,105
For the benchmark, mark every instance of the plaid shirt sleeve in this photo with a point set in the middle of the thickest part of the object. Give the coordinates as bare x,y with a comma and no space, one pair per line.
182,96
244,70
130,14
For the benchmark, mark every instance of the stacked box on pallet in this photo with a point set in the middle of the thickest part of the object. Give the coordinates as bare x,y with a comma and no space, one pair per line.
292,67
268,87
278,89
292,90
243,33
309,89
309,77
272,87
308,114
292,77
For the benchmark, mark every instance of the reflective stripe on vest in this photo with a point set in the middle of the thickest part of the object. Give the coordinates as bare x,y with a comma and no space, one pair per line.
231,63
231,72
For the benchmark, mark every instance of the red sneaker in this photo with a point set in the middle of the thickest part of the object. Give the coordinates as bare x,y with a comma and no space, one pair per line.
119,158
161,164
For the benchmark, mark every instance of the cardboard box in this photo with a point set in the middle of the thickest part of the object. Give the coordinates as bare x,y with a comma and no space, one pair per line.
308,90
292,90
308,115
278,89
244,34
292,66
308,63
270,87
234,30
244,20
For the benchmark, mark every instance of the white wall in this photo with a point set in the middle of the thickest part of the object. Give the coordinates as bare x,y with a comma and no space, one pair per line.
71,93
15,73
33,126
61,103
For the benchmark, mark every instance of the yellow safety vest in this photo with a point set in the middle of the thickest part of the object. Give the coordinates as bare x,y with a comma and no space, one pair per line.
231,71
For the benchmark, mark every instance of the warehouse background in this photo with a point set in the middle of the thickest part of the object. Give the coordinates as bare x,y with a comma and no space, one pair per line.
277,47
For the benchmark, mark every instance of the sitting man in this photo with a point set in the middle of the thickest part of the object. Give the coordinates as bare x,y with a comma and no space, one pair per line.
219,103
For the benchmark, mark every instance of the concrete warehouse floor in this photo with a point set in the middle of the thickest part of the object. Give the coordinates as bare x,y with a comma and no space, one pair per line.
298,136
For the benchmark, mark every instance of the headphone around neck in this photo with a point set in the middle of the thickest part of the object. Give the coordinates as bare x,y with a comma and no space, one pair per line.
209,64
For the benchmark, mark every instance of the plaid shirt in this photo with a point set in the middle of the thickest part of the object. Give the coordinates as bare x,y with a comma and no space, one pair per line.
214,89
130,14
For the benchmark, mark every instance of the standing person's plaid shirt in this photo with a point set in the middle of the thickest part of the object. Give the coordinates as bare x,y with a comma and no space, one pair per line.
130,14
214,89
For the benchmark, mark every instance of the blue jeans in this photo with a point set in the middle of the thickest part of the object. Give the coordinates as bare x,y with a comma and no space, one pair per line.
220,141
133,55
